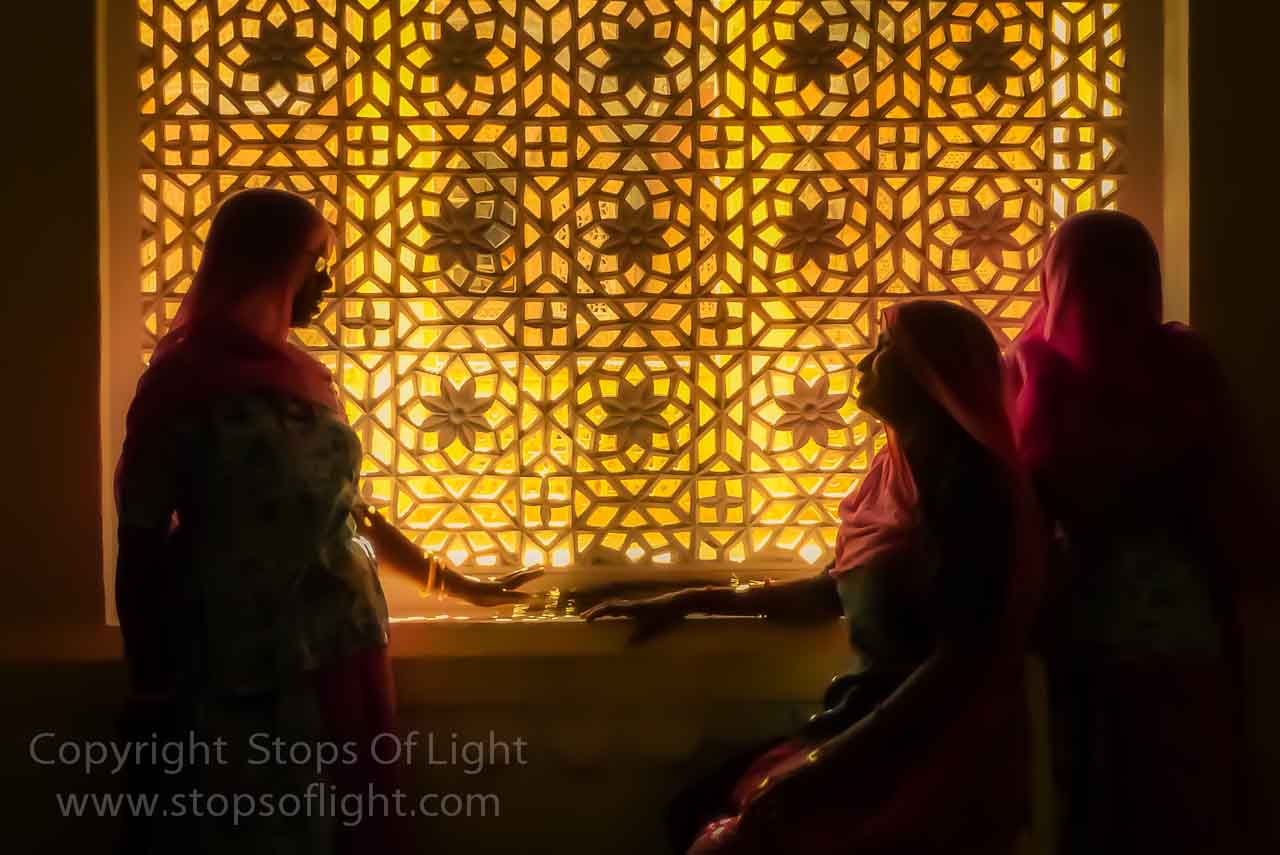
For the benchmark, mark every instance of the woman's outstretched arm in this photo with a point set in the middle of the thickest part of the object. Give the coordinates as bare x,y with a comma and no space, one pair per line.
811,598
395,553
808,598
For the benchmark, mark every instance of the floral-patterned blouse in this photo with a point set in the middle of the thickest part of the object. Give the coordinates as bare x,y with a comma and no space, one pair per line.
270,577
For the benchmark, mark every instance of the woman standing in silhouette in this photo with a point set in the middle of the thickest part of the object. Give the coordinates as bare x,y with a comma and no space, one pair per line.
1127,428
247,579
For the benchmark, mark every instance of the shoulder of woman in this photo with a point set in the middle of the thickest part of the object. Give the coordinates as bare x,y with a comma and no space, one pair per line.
1190,355
1036,360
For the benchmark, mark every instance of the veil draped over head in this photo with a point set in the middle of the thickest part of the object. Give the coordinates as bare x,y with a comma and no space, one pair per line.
948,759
231,331
1103,390
1096,376
952,355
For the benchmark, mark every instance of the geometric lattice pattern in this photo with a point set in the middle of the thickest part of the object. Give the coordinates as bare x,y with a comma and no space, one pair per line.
606,266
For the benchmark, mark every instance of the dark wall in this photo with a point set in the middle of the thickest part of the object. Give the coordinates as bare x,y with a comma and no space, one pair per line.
1235,296
48,285
49,306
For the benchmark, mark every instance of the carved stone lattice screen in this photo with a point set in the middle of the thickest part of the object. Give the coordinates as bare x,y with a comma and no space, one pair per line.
606,268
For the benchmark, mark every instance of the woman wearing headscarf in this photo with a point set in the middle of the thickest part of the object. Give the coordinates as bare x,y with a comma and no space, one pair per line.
247,577
1126,426
939,560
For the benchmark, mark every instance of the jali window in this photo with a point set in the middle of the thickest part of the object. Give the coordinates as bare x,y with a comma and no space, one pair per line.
606,266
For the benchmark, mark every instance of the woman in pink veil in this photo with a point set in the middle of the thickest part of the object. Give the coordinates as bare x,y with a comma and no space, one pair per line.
247,578
1127,427
939,565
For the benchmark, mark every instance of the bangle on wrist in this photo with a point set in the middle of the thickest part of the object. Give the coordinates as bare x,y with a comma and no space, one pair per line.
432,574
440,580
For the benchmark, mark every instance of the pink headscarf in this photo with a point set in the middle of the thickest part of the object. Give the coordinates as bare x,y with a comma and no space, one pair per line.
1101,389
231,331
964,747
953,356
1096,379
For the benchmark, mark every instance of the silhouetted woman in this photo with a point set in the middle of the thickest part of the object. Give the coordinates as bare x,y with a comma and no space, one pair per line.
1127,429
939,561
246,582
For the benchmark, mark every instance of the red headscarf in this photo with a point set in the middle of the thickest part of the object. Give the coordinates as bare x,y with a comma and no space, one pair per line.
1097,380
231,331
953,356
1101,389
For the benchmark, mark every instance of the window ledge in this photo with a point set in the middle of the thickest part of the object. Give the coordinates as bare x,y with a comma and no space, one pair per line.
549,625
462,637
568,663
465,639
544,653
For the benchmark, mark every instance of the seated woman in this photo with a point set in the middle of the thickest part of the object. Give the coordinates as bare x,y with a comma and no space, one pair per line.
248,599
938,566
1127,429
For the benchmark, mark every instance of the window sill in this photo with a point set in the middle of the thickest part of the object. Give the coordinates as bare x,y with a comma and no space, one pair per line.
549,626
567,662
474,656
565,593
701,637
705,663
572,636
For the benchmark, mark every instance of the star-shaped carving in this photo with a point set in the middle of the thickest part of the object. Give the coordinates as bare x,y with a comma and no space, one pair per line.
988,60
458,236
457,57
634,236
986,233
812,57
809,235
636,57
810,411
277,55
634,415
455,414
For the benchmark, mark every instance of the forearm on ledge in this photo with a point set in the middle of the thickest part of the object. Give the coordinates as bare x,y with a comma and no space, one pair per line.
808,598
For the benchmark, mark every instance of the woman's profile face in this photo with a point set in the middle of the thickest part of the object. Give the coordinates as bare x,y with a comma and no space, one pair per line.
306,303
886,389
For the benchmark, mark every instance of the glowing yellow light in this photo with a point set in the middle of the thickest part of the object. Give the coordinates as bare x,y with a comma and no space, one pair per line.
613,318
